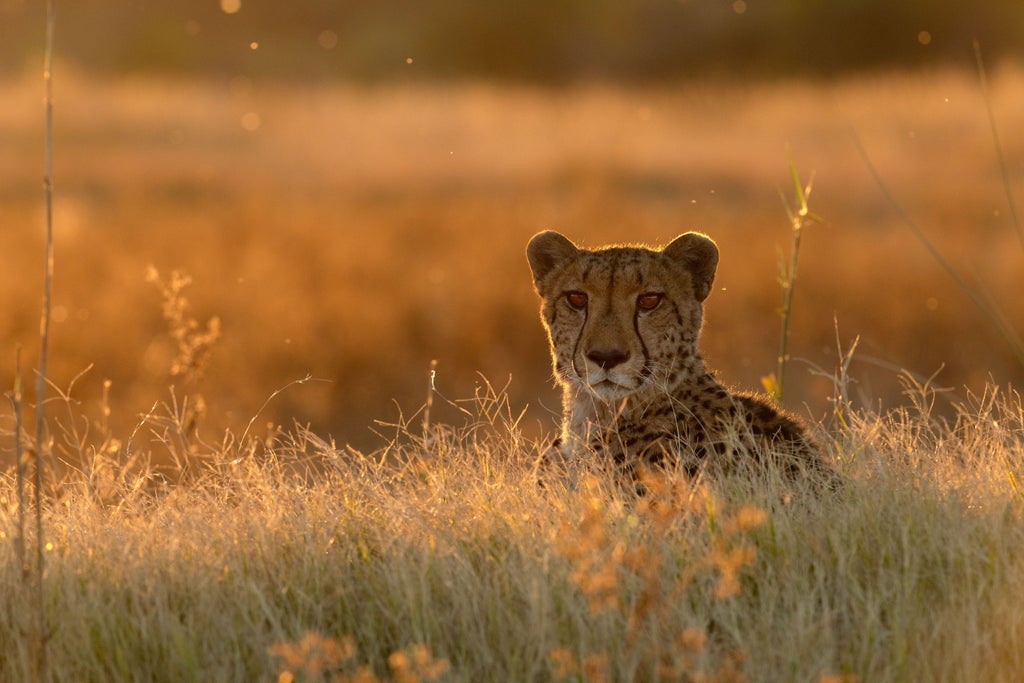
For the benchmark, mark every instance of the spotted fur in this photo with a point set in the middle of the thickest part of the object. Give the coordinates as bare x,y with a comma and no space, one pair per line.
623,323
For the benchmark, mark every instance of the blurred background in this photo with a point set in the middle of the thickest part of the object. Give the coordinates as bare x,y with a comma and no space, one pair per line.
351,186
534,41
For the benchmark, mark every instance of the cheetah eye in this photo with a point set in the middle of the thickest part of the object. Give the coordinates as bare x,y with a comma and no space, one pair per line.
577,300
648,301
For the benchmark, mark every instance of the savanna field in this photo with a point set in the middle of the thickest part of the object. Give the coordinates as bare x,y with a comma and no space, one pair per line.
253,480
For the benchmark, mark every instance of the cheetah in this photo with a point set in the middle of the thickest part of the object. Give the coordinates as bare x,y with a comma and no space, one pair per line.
623,323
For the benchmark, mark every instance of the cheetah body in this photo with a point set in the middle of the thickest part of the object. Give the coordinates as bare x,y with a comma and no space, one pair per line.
623,323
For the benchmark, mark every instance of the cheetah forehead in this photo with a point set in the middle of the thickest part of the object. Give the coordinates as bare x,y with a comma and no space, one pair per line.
686,266
612,270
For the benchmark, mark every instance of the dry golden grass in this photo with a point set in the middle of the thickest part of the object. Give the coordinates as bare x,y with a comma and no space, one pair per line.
440,558
356,234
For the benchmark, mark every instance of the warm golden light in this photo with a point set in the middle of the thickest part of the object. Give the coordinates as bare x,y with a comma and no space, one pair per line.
328,39
251,121
230,6
649,154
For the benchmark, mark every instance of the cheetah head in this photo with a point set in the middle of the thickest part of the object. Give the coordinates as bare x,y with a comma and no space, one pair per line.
622,318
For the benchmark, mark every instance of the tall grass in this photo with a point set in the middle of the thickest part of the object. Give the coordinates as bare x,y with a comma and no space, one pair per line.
304,559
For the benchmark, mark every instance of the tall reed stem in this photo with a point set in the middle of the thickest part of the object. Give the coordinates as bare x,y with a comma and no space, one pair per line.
20,463
41,635
799,218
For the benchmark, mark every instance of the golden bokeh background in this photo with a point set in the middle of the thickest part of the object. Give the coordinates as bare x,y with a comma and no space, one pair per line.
351,190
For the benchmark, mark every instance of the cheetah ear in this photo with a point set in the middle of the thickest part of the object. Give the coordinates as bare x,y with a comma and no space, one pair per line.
698,255
546,250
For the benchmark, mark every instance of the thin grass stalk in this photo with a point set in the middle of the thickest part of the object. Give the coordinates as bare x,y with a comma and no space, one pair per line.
1007,188
41,632
20,462
799,219
429,404
788,286
44,323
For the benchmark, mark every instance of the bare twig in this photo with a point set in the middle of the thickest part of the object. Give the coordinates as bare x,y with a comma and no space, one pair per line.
248,427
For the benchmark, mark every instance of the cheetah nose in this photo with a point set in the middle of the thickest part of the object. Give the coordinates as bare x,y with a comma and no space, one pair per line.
608,359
